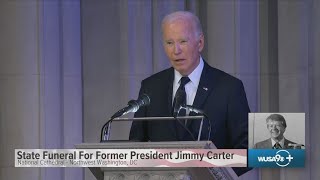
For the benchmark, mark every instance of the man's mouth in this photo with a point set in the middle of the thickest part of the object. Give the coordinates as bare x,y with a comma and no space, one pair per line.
179,60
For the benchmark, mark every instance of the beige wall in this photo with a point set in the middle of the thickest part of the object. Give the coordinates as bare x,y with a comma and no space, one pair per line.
40,83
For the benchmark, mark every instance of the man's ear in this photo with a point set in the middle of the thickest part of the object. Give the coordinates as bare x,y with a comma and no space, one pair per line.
201,43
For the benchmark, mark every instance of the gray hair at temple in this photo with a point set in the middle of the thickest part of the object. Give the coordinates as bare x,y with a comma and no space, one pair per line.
277,117
184,15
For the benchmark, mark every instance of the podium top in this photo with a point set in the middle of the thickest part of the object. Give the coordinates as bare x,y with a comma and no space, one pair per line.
105,130
146,145
159,118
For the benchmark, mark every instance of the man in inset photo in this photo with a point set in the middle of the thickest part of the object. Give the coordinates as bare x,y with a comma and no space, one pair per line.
276,125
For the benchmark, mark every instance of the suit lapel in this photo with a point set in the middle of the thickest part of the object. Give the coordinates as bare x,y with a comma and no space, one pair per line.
170,86
204,88
286,144
269,144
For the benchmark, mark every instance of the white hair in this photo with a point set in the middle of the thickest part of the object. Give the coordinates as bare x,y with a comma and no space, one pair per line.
185,15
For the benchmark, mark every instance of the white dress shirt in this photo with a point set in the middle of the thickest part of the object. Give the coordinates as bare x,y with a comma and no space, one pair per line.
192,86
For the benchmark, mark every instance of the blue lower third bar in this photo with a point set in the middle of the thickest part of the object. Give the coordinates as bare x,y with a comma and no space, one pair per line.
276,158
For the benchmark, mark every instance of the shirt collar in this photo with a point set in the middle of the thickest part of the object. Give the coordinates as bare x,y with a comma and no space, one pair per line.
281,142
194,76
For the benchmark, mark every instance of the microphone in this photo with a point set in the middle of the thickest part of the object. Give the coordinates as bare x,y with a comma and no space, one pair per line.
192,109
133,106
295,146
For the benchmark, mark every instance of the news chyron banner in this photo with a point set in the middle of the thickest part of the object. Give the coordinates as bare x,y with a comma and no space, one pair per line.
130,158
276,140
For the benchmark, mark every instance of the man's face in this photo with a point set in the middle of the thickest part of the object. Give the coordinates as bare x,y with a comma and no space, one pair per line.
276,129
182,45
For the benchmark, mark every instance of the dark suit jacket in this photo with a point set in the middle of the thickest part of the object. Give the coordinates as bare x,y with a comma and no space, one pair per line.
220,95
267,144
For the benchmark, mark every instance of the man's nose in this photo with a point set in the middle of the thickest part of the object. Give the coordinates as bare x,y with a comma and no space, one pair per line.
177,48
273,127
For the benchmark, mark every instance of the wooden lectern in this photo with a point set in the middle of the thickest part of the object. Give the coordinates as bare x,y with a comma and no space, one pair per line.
158,173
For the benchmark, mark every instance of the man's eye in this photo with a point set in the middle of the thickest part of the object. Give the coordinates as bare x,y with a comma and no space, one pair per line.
183,41
169,43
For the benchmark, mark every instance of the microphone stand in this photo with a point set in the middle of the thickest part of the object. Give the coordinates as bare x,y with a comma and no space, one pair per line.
198,111
106,128
105,131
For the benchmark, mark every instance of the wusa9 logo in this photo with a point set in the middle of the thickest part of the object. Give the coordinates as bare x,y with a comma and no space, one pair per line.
282,158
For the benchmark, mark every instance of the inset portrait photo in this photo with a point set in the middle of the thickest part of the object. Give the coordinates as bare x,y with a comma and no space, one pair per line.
276,130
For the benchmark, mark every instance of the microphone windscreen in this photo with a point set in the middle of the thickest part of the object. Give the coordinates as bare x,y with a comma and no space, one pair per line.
145,99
